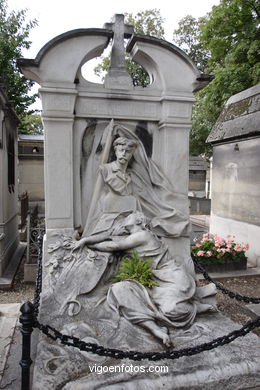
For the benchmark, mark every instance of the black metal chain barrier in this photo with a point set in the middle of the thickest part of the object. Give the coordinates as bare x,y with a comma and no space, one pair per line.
153,356
54,334
29,321
38,284
220,287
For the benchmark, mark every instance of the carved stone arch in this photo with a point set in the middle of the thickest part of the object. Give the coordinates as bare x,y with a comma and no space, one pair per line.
59,60
159,57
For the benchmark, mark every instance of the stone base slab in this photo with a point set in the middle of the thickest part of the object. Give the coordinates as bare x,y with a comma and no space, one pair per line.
233,366
8,319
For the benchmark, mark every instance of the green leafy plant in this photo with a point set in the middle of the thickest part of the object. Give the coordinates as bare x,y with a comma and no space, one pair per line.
14,39
213,248
136,268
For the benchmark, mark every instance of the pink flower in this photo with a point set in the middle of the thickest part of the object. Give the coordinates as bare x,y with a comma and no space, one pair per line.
198,245
238,249
246,246
200,253
209,253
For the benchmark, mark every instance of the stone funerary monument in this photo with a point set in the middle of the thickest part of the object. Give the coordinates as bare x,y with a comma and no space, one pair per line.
116,183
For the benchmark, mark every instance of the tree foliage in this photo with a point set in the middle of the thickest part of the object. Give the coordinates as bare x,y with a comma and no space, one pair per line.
187,37
31,124
148,22
14,37
230,34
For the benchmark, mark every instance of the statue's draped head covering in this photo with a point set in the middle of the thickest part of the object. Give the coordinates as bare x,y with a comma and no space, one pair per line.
159,201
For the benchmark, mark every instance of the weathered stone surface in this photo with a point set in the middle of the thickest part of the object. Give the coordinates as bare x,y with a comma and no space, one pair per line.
235,184
117,76
234,366
8,320
240,117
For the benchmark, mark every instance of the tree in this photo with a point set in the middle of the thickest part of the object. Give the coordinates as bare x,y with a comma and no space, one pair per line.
31,124
187,37
14,36
148,22
231,35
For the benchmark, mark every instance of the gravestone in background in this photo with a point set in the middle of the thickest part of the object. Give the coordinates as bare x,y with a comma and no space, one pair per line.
116,156
235,173
11,250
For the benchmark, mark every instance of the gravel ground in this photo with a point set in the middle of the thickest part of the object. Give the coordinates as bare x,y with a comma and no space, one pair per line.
237,311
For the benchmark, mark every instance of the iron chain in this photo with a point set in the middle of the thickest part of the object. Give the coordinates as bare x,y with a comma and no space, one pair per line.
72,341
38,285
220,287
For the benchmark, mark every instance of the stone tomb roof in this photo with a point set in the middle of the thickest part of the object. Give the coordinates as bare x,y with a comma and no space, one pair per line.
240,117
30,147
197,163
31,137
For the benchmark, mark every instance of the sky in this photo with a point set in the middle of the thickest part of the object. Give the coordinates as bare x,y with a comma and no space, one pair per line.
58,16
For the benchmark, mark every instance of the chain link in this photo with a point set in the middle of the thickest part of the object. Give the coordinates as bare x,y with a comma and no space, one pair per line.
72,341
220,287
38,284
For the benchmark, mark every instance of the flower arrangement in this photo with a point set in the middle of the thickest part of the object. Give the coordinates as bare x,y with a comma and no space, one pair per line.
213,248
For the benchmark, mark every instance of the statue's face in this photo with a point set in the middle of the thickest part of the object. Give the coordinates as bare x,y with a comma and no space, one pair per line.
123,154
134,219
130,220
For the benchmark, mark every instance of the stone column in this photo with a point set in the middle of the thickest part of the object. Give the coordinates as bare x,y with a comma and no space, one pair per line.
58,119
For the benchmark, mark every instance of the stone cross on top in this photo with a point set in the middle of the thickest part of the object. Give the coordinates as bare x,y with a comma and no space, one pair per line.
118,76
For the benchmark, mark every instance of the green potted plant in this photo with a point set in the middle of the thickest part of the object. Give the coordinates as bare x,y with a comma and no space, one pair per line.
217,254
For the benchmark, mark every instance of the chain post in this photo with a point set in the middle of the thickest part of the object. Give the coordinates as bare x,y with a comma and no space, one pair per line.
27,321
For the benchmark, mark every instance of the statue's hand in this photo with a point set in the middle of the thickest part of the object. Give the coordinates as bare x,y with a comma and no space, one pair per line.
79,244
